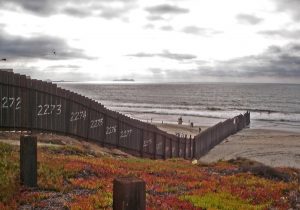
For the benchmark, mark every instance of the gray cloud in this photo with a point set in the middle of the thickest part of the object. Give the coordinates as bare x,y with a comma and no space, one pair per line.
201,62
41,47
248,19
290,6
167,28
149,26
112,12
175,56
274,49
142,55
43,8
156,71
183,75
295,34
59,67
276,64
155,18
74,11
79,8
200,31
166,54
54,75
166,9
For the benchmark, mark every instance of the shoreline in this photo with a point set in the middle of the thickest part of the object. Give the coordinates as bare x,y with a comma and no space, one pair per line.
208,122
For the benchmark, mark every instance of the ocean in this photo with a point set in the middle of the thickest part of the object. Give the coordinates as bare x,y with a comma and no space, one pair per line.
272,106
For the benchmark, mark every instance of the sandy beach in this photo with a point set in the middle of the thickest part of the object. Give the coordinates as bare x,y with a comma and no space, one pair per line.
270,147
273,148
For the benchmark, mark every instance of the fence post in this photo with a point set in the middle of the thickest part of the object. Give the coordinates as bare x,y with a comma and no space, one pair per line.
129,193
118,133
185,141
142,143
171,148
104,129
28,160
191,147
164,147
178,144
194,148
248,118
154,146
88,118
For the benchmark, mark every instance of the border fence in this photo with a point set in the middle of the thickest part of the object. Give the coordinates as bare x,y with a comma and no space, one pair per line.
35,105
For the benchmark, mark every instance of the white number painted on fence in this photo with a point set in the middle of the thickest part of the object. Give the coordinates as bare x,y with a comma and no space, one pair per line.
111,129
147,142
125,133
11,102
96,123
47,109
18,105
75,116
40,110
4,102
58,109
181,135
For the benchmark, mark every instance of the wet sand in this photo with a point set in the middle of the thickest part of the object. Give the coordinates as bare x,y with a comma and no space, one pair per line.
182,129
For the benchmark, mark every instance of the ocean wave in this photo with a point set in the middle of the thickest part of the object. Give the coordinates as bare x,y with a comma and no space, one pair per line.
191,108
162,106
262,110
213,108
210,112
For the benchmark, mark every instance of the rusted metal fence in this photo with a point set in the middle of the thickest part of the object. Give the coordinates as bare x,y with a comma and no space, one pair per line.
212,136
35,105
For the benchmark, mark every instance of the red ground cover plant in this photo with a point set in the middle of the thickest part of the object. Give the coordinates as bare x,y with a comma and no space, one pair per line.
77,180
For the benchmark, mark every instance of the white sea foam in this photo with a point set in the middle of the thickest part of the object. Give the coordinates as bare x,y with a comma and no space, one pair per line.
273,105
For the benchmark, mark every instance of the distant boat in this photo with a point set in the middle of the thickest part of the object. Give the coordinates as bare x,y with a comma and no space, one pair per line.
123,80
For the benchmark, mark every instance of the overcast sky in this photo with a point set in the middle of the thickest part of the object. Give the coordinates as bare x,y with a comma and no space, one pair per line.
155,41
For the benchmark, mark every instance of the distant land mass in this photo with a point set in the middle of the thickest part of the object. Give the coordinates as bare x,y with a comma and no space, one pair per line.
123,80
57,81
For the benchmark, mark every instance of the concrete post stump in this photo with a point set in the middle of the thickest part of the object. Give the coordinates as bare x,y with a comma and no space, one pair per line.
129,193
28,160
